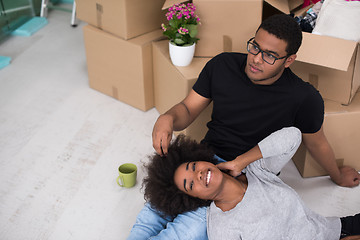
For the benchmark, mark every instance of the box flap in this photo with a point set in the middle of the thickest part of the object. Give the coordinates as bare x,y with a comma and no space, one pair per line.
293,4
169,3
302,11
189,72
148,37
326,51
282,5
332,107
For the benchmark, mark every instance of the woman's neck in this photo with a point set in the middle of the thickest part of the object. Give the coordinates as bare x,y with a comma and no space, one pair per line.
232,193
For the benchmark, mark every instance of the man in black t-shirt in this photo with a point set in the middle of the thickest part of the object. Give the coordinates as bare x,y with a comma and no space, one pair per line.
253,95
245,112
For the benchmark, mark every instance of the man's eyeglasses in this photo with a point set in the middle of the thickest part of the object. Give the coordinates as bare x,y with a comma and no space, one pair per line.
267,57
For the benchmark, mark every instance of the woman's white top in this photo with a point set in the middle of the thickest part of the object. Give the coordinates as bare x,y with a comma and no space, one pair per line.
271,209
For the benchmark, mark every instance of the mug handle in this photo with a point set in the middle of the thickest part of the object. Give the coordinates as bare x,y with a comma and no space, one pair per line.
121,180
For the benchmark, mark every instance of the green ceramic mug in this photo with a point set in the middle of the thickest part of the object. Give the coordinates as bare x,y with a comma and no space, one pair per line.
127,175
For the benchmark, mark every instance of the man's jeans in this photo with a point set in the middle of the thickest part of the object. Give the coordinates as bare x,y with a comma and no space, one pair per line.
150,224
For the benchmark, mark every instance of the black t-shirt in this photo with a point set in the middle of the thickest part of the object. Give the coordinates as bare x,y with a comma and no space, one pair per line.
244,113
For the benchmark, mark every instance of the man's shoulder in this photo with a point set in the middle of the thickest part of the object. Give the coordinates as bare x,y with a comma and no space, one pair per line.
230,56
303,89
228,59
297,80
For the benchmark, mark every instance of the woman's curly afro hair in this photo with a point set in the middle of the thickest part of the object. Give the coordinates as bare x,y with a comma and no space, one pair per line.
160,189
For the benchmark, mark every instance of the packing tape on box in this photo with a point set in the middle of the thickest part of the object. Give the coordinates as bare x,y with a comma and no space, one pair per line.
314,80
227,43
115,93
99,12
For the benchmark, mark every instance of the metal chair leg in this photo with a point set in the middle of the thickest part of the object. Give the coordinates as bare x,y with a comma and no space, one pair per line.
73,15
43,11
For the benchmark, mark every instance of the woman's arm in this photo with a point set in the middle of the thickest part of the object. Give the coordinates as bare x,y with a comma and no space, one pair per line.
276,150
279,147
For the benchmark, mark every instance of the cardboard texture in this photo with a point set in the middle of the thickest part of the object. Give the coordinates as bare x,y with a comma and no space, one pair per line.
124,18
341,127
226,25
233,23
285,6
172,84
119,68
169,3
331,65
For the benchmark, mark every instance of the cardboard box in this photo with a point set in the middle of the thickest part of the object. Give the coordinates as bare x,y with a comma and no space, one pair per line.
227,25
124,18
172,84
169,3
285,6
331,65
119,68
341,127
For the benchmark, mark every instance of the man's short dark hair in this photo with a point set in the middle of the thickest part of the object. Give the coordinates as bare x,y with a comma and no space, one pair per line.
286,28
160,189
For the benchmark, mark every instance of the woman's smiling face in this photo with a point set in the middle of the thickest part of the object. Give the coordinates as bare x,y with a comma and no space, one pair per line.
199,179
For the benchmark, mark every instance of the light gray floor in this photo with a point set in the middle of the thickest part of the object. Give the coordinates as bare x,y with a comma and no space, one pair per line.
61,143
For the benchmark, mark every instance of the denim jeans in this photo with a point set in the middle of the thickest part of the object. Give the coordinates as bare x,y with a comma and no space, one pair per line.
150,224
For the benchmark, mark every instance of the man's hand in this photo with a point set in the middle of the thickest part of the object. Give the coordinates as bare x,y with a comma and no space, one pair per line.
322,152
349,177
162,134
352,238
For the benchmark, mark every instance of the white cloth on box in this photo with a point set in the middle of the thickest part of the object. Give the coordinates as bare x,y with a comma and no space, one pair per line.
340,19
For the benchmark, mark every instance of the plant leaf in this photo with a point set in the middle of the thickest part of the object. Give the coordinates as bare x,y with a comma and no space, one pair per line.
179,41
192,30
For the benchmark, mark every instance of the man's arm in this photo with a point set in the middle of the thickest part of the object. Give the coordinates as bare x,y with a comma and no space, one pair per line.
177,118
322,152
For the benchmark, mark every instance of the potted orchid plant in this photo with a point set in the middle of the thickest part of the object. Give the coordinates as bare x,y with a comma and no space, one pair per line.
181,31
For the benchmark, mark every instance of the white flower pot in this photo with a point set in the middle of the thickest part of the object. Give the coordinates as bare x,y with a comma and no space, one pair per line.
181,56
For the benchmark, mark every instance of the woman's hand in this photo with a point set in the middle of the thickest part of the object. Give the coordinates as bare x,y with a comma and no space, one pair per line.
234,167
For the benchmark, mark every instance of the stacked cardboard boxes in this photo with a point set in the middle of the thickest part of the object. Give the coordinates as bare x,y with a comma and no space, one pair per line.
118,47
332,65
342,130
222,33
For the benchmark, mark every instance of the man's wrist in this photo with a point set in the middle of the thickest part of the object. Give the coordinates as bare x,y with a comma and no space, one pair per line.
336,178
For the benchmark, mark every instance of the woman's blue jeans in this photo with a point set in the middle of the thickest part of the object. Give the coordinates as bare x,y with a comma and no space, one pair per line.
150,224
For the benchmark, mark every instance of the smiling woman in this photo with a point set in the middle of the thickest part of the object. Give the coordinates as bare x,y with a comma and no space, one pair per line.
248,206
205,181
160,188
